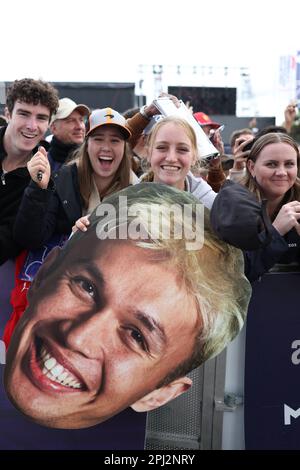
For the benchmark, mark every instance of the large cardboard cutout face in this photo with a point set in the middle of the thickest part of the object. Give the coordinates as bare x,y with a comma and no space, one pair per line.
119,315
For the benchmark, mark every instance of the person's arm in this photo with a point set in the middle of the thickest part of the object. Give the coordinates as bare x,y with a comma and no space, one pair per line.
258,262
201,190
240,155
137,123
37,215
216,175
289,116
36,220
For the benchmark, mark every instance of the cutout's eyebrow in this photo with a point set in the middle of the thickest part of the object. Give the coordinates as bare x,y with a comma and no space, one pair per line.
91,268
153,326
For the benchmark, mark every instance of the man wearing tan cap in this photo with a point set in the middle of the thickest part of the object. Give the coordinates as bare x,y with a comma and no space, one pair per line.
68,128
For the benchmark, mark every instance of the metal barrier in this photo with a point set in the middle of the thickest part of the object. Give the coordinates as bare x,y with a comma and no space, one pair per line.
193,420
272,400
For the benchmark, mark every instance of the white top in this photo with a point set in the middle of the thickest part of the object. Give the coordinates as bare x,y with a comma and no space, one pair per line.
200,189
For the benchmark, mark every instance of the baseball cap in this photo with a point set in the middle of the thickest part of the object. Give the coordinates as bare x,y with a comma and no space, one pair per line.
66,107
105,116
204,120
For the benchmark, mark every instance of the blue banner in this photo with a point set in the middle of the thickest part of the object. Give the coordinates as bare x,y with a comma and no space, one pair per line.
272,400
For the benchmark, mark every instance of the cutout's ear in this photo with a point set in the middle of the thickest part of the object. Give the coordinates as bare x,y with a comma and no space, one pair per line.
43,271
163,395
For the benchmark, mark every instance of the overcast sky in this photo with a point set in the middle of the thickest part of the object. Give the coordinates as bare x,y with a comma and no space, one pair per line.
96,40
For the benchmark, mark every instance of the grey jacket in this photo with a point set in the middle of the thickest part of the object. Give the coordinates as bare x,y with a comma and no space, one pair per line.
200,189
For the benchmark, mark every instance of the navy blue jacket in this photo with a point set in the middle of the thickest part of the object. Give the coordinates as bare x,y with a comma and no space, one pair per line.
45,212
281,250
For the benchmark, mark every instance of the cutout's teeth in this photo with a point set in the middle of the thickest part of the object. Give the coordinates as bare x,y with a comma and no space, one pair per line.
68,380
63,376
43,354
57,370
50,363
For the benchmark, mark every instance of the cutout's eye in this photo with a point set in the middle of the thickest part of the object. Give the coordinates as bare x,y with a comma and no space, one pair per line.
135,336
85,287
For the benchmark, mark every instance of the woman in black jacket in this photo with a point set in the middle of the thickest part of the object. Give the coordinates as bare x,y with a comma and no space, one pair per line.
272,174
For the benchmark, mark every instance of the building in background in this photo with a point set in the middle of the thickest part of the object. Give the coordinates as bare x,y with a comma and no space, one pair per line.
120,96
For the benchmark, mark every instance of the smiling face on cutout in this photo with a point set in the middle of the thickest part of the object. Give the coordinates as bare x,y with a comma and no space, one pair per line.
97,338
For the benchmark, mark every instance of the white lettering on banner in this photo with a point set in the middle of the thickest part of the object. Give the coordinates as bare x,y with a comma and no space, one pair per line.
288,413
296,354
2,352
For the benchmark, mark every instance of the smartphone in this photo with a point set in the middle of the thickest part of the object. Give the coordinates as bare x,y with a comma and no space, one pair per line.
248,146
211,157
213,131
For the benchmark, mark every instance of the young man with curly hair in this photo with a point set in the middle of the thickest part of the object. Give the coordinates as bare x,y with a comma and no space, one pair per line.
29,107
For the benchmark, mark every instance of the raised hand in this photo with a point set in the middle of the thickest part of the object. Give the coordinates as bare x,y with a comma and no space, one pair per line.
81,224
39,168
287,218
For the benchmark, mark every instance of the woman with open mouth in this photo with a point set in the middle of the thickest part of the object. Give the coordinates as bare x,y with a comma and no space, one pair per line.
99,168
